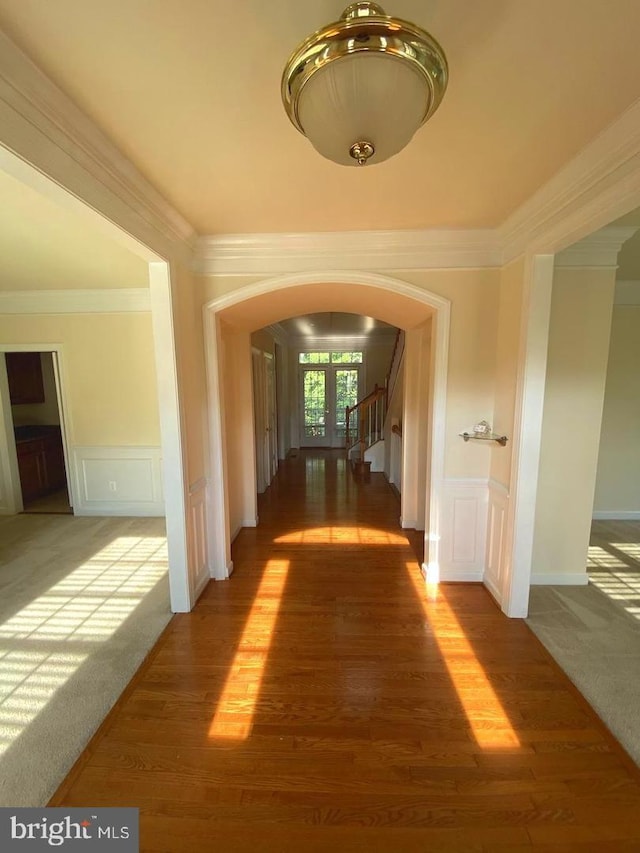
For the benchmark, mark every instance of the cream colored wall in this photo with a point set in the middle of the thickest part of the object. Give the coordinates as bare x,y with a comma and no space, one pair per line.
189,332
474,296
618,479
581,309
377,364
238,413
264,341
108,371
506,366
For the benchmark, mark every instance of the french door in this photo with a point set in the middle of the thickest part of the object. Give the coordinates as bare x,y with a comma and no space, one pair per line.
326,391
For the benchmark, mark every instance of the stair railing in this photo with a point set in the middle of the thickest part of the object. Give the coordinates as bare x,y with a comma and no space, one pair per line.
365,422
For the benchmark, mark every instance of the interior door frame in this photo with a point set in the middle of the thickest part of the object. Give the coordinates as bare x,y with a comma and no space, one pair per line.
9,471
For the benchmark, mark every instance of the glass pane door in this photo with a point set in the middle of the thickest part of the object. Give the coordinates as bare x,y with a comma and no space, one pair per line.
315,422
346,394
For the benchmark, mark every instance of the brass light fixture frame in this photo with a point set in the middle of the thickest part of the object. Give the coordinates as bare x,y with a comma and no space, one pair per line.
365,28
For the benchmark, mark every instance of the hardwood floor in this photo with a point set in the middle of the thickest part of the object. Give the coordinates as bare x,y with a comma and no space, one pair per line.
324,700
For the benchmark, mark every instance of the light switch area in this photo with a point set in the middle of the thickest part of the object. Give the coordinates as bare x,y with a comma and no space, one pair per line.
113,486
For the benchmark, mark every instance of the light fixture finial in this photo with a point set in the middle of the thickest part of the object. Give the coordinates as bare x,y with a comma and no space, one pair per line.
361,152
363,9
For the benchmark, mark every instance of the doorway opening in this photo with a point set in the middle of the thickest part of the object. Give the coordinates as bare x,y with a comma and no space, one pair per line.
38,430
236,322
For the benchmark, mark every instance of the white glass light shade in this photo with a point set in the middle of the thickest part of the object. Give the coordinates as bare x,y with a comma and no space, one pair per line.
359,88
373,97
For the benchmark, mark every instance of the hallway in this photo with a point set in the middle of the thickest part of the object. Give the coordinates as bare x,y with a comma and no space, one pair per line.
324,699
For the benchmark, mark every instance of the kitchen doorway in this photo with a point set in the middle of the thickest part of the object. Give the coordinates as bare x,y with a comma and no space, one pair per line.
34,424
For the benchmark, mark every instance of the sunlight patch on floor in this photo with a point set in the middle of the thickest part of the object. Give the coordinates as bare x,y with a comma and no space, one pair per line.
45,643
337,535
600,557
235,708
623,587
487,718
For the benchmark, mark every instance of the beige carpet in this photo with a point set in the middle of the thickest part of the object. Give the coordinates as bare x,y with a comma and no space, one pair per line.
596,641
82,600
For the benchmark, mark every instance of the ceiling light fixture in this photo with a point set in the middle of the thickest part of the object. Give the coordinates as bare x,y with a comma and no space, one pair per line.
359,88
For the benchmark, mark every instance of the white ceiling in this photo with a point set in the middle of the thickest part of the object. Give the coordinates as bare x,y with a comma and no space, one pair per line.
330,324
190,91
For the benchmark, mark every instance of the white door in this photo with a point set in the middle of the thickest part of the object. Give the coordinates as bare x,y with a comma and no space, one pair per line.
271,416
264,407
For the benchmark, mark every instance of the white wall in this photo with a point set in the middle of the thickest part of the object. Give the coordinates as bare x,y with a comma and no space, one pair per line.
618,479
581,308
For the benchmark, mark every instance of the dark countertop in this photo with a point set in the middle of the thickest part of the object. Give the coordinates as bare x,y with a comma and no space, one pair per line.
31,431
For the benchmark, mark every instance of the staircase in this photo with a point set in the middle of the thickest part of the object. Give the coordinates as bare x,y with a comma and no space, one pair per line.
366,419
365,428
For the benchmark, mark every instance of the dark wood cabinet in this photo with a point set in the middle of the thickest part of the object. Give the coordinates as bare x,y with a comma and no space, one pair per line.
33,469
24,372
41,463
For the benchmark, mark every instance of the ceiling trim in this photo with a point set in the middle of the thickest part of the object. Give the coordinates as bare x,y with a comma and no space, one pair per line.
106,301
598,250
274,254
35,112
600,184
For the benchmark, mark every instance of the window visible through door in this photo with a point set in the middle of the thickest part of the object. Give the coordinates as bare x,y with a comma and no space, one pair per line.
330,382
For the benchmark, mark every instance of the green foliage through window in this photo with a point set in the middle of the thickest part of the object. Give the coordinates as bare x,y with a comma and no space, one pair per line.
330,358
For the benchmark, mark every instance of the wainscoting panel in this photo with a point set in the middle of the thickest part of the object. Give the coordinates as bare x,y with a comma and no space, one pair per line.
118,481
498,502
464,521
198,562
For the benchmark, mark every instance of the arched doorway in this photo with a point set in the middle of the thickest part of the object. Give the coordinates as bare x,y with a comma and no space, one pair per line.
228,323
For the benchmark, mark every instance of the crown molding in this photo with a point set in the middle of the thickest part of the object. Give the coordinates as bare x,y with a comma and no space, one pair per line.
600,184
279,334
115,301
627,293
599,250
274,254
46,128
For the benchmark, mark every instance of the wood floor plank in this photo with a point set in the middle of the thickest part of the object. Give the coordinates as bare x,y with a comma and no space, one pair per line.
320,700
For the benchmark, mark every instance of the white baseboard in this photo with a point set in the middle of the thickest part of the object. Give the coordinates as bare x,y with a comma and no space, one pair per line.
250,522
229,572
616,515
439,574
461,575
493,588
118,481
560,579
200,585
